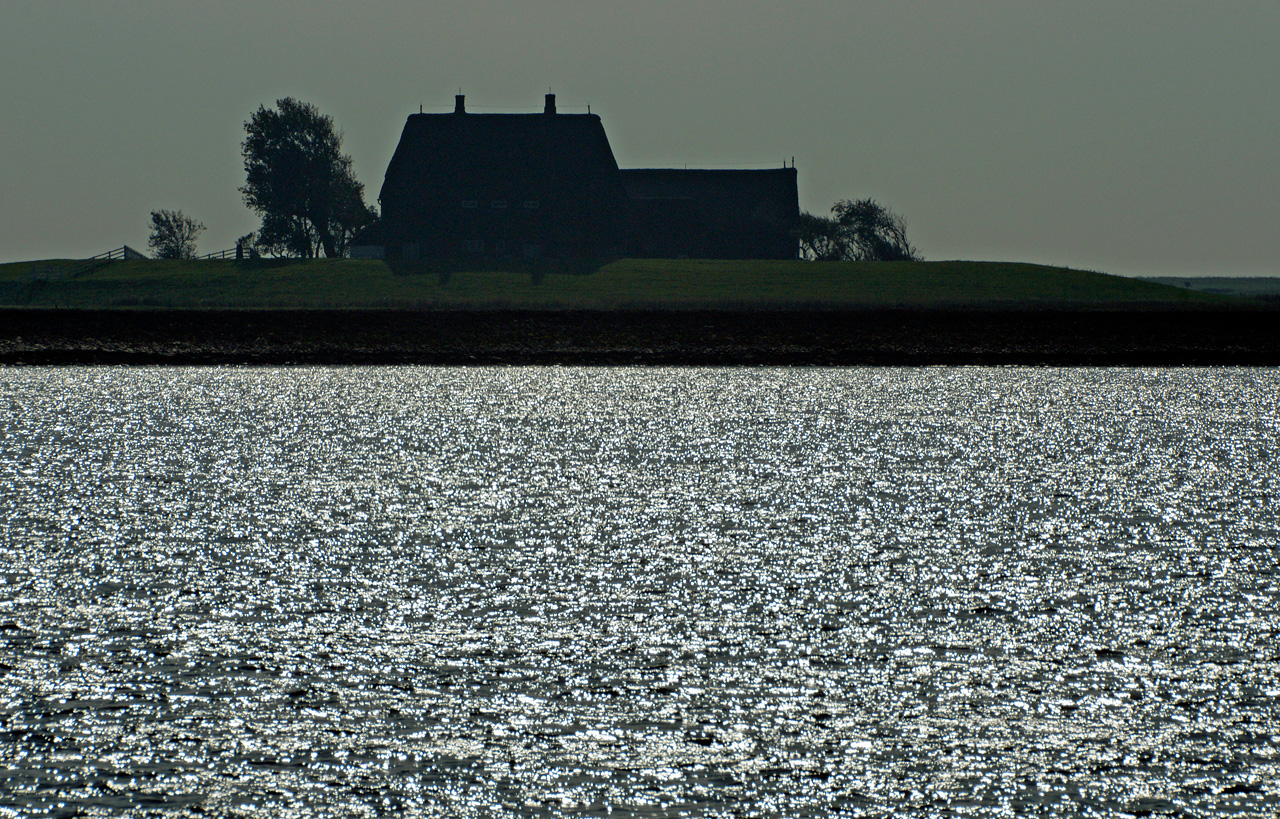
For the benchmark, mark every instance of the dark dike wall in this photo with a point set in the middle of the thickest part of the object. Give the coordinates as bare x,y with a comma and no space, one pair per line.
885,337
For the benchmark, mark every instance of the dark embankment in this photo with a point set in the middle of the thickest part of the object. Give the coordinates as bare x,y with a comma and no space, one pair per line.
791,337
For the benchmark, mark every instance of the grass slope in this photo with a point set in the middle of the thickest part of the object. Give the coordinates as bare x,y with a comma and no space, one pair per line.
622,284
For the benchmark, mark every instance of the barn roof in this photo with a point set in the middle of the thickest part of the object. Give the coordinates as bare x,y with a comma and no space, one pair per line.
775,184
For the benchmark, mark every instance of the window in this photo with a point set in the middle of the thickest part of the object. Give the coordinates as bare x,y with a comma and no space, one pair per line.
470,204
499,204
531,204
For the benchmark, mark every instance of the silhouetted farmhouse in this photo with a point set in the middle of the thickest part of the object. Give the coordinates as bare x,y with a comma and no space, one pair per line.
547,184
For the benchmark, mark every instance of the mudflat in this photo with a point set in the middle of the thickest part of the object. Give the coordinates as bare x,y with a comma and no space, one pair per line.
1129,337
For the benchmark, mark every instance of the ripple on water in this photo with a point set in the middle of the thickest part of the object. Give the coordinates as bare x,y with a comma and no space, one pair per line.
669,592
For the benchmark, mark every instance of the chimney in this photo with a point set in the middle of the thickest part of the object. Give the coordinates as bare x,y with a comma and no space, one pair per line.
551,104
458,107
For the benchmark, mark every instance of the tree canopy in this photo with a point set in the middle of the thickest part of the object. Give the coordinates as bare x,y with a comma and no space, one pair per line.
858,231
173,235
300,183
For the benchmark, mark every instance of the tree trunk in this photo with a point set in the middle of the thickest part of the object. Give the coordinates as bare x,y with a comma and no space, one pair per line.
330,247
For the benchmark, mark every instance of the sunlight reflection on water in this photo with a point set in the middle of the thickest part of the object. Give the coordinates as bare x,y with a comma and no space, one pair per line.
660,592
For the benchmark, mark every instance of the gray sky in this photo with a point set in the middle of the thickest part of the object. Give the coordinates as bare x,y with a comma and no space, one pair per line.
1137,138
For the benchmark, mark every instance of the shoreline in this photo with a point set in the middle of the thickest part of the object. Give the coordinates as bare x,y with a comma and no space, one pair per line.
878,337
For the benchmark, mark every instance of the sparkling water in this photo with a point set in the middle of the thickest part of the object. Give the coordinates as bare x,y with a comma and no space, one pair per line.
413,591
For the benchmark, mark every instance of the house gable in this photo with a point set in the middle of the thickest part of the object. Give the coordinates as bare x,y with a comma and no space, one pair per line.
463,183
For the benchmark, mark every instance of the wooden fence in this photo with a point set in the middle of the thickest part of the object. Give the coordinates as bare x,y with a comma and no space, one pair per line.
119,254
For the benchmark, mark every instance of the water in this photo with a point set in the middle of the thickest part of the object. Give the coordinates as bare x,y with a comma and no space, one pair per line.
660,592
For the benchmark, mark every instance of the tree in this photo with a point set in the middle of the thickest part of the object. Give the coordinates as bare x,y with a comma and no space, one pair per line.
859,231
300,183
282,235
874,233
173,235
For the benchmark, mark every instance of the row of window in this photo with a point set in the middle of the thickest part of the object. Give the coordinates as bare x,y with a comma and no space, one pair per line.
499,247
411,250
499,204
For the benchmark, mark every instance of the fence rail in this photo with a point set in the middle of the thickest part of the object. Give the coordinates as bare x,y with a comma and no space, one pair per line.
93,263
221,254
119,254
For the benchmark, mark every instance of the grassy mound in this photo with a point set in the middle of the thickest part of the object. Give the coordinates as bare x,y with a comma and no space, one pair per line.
622,284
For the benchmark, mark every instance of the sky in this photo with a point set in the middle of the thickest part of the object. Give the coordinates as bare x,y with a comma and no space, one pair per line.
1130,137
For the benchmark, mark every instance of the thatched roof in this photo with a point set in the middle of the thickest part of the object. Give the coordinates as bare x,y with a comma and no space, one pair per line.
733,188
527,153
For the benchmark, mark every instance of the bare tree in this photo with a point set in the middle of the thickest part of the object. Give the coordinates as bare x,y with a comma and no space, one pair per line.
173,235
820,239
873,232
857,231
